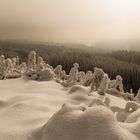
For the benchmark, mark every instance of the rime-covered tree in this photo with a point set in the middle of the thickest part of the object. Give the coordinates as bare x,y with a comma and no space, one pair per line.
73,74
40,64
31,65
98,76
58,72
2,66
88,78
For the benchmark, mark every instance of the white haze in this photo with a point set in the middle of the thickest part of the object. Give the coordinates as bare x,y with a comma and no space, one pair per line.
79,21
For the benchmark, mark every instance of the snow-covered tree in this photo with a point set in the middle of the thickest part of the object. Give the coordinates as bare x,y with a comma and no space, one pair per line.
40,64
45,75
104,85
8,67
98,75
63,75
22,67
73,74
58,72
111,83
2,67
138,95
81,76
88,78
118,83
14,61
17,61
31,66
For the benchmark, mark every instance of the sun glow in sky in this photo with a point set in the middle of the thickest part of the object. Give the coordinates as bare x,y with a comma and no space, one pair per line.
84,21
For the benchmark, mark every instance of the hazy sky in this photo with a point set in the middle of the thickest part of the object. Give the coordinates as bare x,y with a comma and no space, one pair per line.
84,21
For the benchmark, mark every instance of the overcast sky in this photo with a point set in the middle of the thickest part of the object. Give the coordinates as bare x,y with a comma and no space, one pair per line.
84,21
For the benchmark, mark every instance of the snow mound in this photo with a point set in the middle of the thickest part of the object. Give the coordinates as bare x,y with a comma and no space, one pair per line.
134,117
128,114
27,105
78,88
79,94
45,75
83,123
2,102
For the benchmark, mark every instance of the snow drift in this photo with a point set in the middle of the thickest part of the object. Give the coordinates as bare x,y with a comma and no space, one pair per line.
83,123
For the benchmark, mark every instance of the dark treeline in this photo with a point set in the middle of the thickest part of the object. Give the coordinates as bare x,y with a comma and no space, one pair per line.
119,62
129,72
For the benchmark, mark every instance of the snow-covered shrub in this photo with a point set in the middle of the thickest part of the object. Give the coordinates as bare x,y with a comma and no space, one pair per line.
63,75
58,72
45,75
10,71
138,95
2,67
14,61
40,64
22,67
98,75
113,91
104,85
88,78
118,84
31,65
81,76
128,96
111,83
34,76
73,74
48,66
2,58
8,67
17,61
131,91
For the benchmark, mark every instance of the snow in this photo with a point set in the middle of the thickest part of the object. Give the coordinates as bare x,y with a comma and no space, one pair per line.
79,123
26,105
46,110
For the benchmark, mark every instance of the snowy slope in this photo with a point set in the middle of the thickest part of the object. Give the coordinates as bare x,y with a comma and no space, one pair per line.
26,106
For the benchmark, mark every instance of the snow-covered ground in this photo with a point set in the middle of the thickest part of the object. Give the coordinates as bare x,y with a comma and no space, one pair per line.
26,106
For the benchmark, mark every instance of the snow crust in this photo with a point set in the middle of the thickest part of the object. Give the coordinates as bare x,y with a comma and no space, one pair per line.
32,110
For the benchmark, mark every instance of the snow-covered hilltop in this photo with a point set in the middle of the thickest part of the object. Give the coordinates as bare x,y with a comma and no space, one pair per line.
45,103
37,69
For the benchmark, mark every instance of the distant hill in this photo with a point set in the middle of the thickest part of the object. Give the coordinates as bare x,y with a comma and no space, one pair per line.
115,45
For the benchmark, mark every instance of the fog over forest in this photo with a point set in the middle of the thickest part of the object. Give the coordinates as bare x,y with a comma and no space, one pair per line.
87,22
